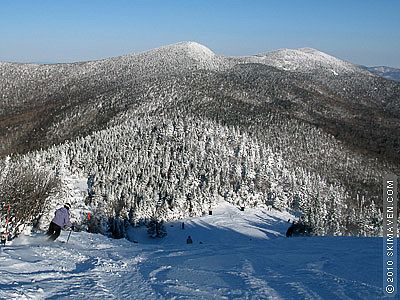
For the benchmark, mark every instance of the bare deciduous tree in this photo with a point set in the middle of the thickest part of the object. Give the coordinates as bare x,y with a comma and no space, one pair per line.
26,189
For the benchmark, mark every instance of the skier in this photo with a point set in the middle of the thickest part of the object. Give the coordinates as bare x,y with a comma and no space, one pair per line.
60,220
289,232
183,225
189,240
3,239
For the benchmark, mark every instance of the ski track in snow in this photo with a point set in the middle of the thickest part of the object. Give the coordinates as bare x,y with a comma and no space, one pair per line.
242,255
251,272
64,271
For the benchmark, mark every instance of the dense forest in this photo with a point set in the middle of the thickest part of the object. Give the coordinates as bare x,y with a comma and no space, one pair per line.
168,168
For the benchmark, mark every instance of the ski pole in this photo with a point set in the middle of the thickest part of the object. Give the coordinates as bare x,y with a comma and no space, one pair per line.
69,235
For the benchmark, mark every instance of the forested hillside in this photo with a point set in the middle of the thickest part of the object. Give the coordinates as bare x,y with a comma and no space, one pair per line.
169,133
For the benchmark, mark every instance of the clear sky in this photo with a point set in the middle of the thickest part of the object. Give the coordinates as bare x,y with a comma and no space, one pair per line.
364,31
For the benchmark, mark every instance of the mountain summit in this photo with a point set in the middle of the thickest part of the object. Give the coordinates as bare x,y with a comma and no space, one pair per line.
306,60
195,49
180,55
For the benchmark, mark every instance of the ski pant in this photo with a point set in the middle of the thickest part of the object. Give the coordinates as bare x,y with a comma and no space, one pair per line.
54,231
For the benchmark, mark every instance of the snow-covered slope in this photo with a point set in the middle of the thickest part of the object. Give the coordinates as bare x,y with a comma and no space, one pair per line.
202,56
234,255
171,58
306,60
226,225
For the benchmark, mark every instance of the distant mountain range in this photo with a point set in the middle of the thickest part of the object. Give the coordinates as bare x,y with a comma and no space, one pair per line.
386,72
172,130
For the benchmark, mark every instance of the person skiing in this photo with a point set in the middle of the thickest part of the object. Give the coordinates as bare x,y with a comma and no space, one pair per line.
61,219
289,232
3,238
189,240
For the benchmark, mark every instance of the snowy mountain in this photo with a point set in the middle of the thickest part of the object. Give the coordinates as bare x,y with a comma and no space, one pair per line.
170,133
234,255
306,60
386,72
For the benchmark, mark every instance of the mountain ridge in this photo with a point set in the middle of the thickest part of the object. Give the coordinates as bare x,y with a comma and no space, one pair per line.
105,75
129,120
200,51
185,46
187,57
385,72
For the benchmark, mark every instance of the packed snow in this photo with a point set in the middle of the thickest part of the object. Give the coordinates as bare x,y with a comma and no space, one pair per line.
235,255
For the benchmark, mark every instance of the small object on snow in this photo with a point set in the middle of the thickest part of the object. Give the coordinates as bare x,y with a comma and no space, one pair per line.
183,225
299,229
189,240
289,232
3,239
210,212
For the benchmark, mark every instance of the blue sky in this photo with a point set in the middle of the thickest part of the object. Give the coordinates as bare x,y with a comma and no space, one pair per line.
364,32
